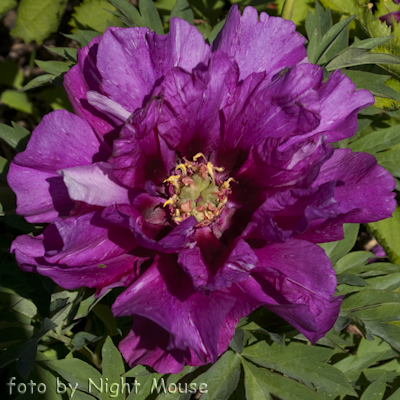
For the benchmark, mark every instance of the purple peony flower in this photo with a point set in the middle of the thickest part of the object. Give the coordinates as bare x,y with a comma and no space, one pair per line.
200,178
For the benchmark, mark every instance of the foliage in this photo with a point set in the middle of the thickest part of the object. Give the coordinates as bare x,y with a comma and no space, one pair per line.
68,339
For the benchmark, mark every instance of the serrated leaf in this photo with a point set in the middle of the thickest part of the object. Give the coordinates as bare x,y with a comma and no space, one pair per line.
38,81
336,250
17,100
53,67
78,373
37,19
376,390
259,383
321,19
350,279
345,7
182,10
93,15
222,378
16,136
385,330
387,233
68,53
377,141
150,17
301,362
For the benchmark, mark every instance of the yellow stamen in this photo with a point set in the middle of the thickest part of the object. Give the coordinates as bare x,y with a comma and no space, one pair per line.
210,170
174,180
171,200
199,155
226,185
183,168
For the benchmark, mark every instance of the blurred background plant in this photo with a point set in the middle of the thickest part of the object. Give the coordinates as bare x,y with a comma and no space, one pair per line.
48,333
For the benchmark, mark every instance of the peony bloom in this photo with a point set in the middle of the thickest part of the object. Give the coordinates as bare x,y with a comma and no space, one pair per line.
200,178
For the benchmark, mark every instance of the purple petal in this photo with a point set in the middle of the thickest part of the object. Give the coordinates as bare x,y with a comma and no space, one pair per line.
388,17
190,121
296,281
164,294
118,271
269,44
107,106
89,239
61,140
94,184
340,104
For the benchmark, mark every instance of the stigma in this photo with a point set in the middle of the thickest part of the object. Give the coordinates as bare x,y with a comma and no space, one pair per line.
196,191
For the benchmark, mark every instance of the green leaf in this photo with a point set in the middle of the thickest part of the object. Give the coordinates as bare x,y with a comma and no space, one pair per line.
368,298
350,279
390,161
345,7
38,81
68,53
37,19
336,250
376,390
217,28
113,365
374,83
259,382
332,41
17,100
129,13
301,362
321,19
93,15
382,312
78,372
377,141
353,261
103,312
371,43
53,67
82,339
386,331
83,37
150,17
387,232
222,378
182,10
7,5
11,74
237,342
16,136
354,56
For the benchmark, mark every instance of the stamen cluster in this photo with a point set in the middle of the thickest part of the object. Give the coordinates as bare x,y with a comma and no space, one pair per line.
196,192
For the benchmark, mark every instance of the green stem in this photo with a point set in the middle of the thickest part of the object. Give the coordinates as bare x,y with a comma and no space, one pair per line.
287,11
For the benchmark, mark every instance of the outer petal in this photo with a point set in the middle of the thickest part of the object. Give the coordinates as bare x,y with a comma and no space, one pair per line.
94,184
118,271
81,78
164,294
340,104
61,140
89,239
269,44
296,281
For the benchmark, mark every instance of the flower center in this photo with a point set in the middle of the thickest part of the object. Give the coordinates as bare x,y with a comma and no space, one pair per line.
196,192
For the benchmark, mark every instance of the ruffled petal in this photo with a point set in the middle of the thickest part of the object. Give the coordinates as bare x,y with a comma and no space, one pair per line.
296,281
117,271
164,295
89,239
190,121
340,104
94,184
269,44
